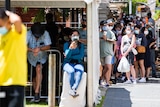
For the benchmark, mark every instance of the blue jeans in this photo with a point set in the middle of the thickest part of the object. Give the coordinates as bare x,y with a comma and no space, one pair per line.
152,59
75,72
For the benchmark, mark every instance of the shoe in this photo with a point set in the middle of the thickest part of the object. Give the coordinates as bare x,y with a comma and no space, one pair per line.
147,79
142,80
36,98
134,81
128,82
103,82
73,93
154,76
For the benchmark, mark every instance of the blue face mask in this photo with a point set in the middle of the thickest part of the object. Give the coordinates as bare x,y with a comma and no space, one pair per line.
3,31
136,31
104,28
150,28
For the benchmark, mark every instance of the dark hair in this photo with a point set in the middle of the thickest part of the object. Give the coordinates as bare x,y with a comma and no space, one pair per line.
143,29
103,22
75,30
49,16
137,26
37,29
118,24
149,14
3,14
123,31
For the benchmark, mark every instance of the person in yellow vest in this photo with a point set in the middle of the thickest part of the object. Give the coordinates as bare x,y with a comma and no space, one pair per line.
13,60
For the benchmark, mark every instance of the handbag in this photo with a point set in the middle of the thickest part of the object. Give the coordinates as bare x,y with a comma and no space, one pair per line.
141,49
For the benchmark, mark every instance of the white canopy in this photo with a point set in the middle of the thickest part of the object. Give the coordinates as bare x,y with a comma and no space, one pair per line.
47,3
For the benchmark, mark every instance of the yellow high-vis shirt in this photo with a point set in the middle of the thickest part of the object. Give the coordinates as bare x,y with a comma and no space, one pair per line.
13,58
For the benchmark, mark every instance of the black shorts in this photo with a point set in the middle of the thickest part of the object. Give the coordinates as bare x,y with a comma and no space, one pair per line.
140,56
12,96
130,58
34,69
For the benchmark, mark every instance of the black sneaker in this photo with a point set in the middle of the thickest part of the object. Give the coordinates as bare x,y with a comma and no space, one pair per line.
36,98
154,76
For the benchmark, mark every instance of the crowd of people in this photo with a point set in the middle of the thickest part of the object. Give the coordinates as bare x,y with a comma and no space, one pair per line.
129,36
132,37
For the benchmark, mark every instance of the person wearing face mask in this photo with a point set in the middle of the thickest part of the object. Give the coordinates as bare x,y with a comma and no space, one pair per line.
38,40
141,43
83,38
107,40
127,43
148,35
73,62
13,60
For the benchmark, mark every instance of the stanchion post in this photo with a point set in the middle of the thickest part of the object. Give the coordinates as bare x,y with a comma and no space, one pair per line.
52,80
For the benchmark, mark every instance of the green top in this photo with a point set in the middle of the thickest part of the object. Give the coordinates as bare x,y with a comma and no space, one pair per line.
106,47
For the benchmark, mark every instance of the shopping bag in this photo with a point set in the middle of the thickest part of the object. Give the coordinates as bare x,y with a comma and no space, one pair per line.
123,65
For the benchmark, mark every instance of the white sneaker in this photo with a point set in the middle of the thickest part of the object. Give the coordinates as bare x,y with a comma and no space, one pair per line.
103,82
134,81
128,82
73,93
142,80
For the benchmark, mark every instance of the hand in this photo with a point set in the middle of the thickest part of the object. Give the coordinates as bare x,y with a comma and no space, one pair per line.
36,50
73,45
104,37
35,54
124,54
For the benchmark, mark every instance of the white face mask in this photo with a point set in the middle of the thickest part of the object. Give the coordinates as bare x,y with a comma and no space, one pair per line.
146,32
110,27
128,32
73,38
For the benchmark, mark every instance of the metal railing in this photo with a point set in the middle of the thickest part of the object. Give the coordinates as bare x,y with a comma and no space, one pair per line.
58,59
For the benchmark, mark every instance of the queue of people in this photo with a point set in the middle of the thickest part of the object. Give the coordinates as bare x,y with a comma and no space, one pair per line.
132,34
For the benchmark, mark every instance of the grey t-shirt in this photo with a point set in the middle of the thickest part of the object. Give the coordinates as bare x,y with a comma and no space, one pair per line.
106,47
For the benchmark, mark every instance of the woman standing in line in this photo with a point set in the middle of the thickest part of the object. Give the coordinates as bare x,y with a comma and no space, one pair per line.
127,43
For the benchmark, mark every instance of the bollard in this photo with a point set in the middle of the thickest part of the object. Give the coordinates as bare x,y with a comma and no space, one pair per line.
51,80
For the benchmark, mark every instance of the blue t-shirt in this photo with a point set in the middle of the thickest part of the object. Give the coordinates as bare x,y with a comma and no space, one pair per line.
73,54
44,40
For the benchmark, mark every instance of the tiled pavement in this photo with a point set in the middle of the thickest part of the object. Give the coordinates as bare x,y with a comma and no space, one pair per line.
129,95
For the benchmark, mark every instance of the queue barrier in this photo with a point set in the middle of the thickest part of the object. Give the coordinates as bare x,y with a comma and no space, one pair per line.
53,69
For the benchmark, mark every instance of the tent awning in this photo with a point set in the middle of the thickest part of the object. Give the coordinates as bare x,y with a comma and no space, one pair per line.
47,3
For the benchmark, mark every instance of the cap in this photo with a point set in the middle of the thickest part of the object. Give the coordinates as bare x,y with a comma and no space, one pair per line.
103,22
109,21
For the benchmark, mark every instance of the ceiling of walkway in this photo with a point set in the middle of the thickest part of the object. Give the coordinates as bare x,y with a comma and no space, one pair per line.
46,3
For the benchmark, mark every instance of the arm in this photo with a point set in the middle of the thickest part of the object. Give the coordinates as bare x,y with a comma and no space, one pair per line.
84,41
67,50
131,46
81,54
122,44
115,47
16,20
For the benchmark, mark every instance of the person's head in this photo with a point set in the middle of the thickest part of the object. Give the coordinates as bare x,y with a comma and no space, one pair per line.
110,24
49,17
75,35
84,24
5,23
103,25
37,30
118,28
128,30
145,31
149,15
137,29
